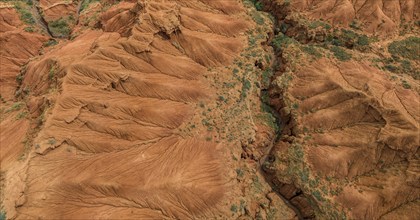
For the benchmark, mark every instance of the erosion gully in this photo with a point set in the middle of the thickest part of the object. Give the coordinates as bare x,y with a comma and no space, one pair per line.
36,12
279,14
39,19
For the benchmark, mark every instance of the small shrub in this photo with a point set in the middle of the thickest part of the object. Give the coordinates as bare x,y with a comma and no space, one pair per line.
266,76
29,29
257,18
312,51
21,115
406,85
50,42
258,5
316,24
19,78
284,27
317,195
391,68
85,4
281,40
15,107
246,85
252,41
296,152
340,53
348,35
304,175
337,42
51,141
51,73
271,214
2,215
25,15
406,66
234,208
355,25
239,172
313,183
257,184
59,28
267,58
363,40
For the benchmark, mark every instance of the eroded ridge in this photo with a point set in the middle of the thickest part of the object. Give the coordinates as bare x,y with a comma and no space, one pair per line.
109,147
381,17
376,149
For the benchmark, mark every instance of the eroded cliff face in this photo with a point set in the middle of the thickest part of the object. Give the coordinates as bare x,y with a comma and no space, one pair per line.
350,110
135,110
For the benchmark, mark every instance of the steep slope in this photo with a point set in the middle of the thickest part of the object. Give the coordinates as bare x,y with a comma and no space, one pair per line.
349,146
12,58
381,17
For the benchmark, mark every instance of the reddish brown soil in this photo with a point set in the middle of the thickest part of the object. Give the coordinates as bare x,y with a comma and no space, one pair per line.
56,9
354,124
12,57
382,17
107,112
350,143
152,109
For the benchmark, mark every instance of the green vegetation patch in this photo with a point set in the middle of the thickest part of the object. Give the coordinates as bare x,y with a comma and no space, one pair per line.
50,42
21,115
29,29
405,84
395,64
15,107
2,215
363,40
51,73
86,3
349,39
24,13
408,48
316,24
281,40
59,28
246,86
266,77
258,18
340,53
312,50
234,208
